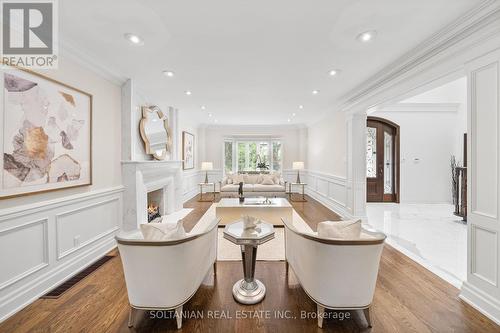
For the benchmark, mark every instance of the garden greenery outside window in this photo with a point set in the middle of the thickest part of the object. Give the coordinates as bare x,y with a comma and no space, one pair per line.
252,155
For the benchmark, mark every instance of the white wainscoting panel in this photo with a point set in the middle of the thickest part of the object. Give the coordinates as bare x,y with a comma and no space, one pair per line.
328,189
484,265
482,289
17,260
43,244
79,227
192,179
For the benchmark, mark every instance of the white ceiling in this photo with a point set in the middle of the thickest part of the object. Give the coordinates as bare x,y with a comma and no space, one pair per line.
251,62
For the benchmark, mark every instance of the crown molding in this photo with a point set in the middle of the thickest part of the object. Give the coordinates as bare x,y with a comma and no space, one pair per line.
476,25
417,107
253,127
86,60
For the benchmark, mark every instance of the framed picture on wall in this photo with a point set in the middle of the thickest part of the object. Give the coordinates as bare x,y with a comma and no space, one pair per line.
46,134
187,150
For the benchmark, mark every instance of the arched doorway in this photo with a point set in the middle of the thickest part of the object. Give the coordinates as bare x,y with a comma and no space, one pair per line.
382,160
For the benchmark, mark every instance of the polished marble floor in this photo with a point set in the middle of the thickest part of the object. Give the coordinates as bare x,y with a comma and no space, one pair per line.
428,233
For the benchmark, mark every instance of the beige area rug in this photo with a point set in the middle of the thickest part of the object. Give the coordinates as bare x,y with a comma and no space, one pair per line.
273,250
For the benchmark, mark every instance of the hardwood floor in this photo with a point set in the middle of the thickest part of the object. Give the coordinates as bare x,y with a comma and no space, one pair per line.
408,298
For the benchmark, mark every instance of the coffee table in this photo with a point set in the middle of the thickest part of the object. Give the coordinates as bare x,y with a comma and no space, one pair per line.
249,290
230,209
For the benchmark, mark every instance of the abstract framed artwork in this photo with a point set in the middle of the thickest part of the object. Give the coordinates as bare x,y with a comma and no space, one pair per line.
187,150
46,139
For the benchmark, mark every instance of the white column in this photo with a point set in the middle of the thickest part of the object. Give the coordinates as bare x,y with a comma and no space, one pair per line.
174,128
482,289
356,163
128,131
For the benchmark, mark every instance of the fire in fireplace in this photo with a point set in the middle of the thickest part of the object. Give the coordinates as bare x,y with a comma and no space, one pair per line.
153,212
155,204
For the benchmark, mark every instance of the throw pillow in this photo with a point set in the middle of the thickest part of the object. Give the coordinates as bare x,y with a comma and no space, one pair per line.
341,229
276,177
267,180
250,179
163,231
238,179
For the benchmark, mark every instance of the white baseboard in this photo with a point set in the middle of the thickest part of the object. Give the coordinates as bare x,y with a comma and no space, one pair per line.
16,301
54,240
480,301
190,194
329,203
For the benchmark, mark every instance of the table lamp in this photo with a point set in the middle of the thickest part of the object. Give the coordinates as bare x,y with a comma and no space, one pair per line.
205,166
298,166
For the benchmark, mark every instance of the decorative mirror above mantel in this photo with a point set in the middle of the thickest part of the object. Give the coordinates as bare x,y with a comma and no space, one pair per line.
155,132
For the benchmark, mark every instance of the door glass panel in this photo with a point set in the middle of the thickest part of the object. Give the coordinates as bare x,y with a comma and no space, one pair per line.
388,163
371,152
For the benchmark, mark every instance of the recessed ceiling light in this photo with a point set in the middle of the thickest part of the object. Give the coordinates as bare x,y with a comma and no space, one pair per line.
188,92
210,115
315,92
301,107
289,120
294,114
203,107
367,36
333,72
168,73
215,120
134,39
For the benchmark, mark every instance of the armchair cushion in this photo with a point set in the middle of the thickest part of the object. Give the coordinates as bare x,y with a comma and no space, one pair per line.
340,229
163,231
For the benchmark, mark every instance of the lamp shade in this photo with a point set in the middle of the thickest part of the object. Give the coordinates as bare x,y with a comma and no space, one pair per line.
298,165
207,166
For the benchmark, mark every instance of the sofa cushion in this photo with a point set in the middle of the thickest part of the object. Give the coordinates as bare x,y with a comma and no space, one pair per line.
163,231
251,178
238,179
276,177
340,229
268,188
267,180
234,188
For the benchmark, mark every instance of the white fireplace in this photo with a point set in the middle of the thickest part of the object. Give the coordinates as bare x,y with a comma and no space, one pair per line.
162,179
141,174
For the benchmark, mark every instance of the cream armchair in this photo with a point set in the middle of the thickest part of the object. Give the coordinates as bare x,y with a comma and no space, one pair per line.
164,275
335,273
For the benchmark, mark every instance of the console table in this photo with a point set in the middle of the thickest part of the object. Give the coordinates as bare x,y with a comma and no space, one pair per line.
290,196
201,191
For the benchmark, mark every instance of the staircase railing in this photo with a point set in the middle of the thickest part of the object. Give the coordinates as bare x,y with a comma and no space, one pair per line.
461,191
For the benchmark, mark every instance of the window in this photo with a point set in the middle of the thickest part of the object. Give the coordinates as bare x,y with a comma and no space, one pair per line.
252,155
228,157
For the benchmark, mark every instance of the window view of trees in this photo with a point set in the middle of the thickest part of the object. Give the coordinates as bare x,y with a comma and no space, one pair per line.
252,155
228,156
276,156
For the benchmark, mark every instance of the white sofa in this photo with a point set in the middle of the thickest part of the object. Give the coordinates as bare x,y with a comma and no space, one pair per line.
336,274
163,275
252,186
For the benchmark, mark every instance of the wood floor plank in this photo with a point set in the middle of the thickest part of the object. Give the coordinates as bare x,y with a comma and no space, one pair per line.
408,298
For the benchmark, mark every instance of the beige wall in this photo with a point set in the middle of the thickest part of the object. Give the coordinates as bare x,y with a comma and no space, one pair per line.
326,148
106,122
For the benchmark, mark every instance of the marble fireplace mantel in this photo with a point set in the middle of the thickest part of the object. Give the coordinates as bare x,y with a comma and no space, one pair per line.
141,177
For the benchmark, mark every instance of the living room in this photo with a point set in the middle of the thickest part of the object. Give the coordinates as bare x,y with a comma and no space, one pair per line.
207,166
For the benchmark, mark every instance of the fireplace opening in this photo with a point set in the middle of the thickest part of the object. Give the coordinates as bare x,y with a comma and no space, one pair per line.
155,205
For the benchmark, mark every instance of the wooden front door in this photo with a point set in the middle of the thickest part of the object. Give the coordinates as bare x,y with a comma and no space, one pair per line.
382,161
